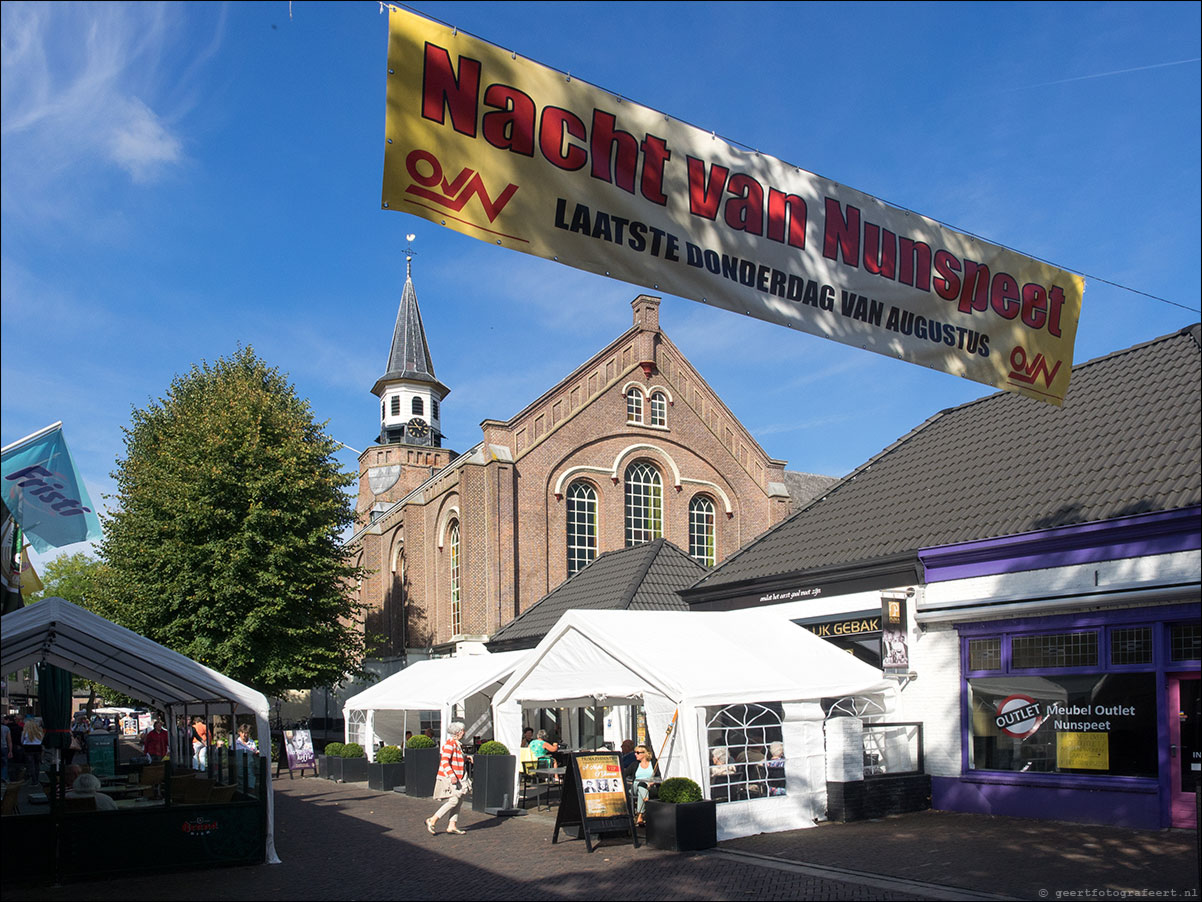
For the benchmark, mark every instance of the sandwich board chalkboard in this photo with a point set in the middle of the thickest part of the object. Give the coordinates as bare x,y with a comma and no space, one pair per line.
595,798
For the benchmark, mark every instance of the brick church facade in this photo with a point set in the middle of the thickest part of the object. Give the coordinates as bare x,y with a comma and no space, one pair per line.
631,446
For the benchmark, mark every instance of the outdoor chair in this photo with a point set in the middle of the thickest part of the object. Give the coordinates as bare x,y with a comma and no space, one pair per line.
222,793
198,790
152,776
179,787
12,798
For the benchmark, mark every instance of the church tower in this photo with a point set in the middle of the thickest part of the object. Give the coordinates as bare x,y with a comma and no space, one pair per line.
408,449
410,394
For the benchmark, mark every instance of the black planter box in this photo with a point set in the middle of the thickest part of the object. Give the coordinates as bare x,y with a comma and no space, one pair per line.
682,828
421,767
354,770
877,797
385,777
331,767
492,781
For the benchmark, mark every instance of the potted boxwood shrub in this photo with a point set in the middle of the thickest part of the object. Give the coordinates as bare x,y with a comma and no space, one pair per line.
388,770
681,820
421,766
330,761
492,776
354,763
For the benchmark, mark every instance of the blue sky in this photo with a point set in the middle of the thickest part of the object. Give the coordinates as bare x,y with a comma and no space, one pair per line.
179,179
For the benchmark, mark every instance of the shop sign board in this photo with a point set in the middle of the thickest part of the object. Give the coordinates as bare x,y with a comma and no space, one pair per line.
508,151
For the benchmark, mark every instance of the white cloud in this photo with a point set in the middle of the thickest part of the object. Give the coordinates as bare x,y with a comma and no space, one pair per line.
86,87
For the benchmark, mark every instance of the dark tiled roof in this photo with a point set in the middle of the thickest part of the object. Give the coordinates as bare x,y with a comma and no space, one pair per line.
409,356
1126,441
805,487
643,578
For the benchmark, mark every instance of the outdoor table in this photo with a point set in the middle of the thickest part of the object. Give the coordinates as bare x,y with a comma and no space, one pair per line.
115,792
135,804
546,776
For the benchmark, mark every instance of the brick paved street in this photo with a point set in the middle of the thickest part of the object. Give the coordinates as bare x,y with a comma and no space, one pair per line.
341,841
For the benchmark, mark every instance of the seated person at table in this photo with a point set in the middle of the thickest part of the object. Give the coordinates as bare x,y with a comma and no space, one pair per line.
87,786
720,773
628,758
542,747
527,736
644,776
70,774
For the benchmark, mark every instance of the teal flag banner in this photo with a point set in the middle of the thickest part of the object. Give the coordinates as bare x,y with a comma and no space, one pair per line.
45,493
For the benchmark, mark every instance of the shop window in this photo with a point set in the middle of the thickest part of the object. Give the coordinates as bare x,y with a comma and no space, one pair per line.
1185,642
634,406
659,409
1054,650
644,504
396,405
419,409
702,531
746,752
1089,724
1131,645
456,607
582,526
984,654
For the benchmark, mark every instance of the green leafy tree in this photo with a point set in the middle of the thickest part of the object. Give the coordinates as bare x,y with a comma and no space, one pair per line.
79,578
225,544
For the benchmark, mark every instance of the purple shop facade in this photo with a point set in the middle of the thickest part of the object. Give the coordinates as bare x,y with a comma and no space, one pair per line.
1079,654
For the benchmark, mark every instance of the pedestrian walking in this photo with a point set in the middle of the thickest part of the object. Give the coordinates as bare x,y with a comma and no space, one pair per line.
452,782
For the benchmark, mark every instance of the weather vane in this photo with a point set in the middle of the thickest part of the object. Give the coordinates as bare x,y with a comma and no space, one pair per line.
409,253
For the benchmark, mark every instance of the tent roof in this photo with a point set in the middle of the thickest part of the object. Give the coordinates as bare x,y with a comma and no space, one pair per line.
710,658
58,632
428,685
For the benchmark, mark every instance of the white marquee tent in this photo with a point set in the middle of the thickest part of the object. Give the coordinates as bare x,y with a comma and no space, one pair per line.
54,631
386,710
683,666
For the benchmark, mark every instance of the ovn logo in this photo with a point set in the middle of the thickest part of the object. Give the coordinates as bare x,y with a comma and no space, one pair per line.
431,184
1027,371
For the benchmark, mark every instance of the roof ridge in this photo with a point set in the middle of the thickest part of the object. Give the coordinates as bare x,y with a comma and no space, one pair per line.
636,580
1191,330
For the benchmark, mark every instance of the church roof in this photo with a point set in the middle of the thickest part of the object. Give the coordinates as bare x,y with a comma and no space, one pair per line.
409,356
1126,441
643,578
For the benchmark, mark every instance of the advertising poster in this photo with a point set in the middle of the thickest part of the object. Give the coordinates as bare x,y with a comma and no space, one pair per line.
601,780
508,151
298,745
895,649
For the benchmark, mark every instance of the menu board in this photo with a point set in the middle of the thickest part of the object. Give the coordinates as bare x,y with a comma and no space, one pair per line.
102,755
594,798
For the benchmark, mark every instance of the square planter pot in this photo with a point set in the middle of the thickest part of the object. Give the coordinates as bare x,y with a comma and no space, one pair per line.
682,828
385,777
331,767
354,770
492,780
421,767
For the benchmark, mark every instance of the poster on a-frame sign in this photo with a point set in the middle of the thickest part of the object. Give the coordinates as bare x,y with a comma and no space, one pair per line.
595,798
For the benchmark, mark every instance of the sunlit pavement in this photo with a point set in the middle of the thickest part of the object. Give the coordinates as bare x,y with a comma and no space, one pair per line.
344,841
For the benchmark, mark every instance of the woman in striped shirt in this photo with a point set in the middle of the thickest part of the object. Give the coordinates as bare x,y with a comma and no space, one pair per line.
452,783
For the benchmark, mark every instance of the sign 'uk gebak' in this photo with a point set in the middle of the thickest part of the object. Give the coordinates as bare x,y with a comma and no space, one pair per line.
511,152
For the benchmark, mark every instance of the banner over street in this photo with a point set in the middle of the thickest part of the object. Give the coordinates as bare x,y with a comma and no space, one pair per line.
511,152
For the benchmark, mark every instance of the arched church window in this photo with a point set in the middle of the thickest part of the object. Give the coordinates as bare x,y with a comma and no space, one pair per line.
456,607
634,406
659,409
582,526
644,503
419,408
702,532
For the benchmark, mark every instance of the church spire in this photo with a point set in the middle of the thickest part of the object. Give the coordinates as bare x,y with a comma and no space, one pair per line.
409,392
